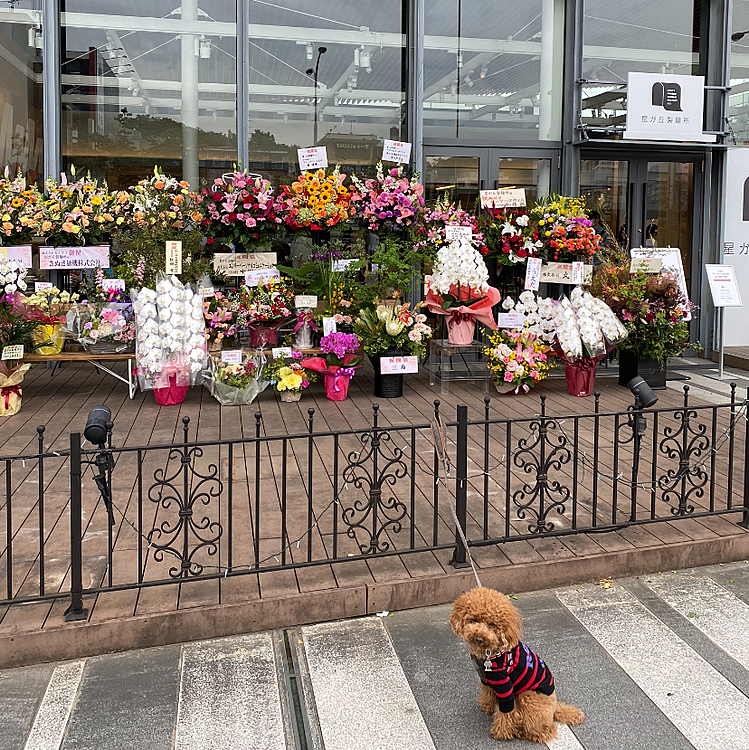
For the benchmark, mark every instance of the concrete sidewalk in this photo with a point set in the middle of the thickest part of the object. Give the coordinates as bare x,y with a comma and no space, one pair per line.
660,661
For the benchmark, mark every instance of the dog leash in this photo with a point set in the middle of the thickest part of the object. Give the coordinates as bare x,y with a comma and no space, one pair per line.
440,447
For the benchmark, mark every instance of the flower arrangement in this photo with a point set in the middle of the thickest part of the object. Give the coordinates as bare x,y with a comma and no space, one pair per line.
517,360
264,303
339,364
238,384
105,327
239,211
49,306
432,231
651,307
238,375
315,200
220,322
510,237
387,327
82,212
19,202
390,201
291,378
339,348
563,228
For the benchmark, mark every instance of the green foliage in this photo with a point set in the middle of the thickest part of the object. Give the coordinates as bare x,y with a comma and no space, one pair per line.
394,262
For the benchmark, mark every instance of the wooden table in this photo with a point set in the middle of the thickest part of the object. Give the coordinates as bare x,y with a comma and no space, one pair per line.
95,360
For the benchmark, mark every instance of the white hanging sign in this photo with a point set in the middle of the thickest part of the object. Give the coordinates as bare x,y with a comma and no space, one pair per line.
231,356
13,352
578,272
264,275
281,352
305,301
173,265
312,158
723,285
506,198
18,253
42,286
398,365
511,320
329,326
339,266
113,285
397,151
237,264
533,274
457,232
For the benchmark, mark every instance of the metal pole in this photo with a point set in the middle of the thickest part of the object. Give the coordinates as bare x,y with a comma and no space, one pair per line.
75,611
243,84
51,87
461,485
190,155
745,518
722,337
636,441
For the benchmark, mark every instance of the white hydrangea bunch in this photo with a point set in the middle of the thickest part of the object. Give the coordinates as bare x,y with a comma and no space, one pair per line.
567,332
613,329
587,322
12,277
460,264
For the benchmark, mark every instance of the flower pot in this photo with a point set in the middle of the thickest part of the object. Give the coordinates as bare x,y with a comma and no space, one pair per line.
581,377
290,396
304,337
460,330
630,366
511,389
52,333
10,390
263,334
336,385
172,394
386,386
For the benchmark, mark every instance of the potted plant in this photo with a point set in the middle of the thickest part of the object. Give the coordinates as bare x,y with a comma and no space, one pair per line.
653,310
19,206
460,291
339,364
517,359
389,331
238,384
289,380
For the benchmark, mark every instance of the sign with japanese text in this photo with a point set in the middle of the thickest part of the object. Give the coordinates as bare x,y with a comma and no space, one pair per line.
506,198
723,285
13,352
648,265
533,274
43,286
281,352
264,275
457,232
329,326
231,356
61,258
511,320
578,272
237,264
564,273
670,261
312,158
19,253
397,151
398,365
113,285
206,291
306,301
665,107
339,266
173,264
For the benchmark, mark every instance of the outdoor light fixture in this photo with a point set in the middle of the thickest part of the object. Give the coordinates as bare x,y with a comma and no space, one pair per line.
97,431
205,48
737,36
484,71
365,60
96,425
313,72
640,389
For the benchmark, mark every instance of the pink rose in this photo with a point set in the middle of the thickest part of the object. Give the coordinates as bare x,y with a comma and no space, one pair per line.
508,377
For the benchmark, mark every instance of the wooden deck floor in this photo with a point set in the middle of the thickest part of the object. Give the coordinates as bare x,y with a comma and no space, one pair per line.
162,614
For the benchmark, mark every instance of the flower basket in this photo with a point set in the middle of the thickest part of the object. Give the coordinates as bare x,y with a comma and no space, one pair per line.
52,333
228,395
172,394
290,396
10,390
512,389
304,330
461,328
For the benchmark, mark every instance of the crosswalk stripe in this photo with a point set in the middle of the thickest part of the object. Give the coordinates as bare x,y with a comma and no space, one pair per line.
361,693
677,679
565,740
229,696
51,719
720,615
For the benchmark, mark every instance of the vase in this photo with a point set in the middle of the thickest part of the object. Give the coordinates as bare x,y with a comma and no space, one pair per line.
460,330
290,396
511,389
336,386
52,333
650,370
10,389
386,386
263,334
581,377
304,338
172,394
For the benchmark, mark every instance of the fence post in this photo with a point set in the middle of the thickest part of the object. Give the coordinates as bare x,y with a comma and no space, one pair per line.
745,519
461,486
75,611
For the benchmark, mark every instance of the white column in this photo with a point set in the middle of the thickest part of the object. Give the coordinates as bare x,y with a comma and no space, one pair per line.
552,64
190,97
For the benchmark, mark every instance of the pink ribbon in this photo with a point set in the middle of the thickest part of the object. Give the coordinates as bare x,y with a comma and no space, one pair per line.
309,319
342,371
7,390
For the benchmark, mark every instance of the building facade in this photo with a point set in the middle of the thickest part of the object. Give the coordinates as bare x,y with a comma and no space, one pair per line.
491,93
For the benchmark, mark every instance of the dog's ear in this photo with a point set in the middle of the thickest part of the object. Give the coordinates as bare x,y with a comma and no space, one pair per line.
457,619
508,618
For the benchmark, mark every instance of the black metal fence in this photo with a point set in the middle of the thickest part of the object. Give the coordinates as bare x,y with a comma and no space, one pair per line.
87,520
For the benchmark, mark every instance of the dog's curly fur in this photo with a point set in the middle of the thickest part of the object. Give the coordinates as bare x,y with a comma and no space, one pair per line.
486,621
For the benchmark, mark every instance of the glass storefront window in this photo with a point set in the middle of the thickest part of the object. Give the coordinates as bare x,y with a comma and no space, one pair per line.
453,178
738,98
603,186
360,83
493,73
534,175
148,82
22,125
638,36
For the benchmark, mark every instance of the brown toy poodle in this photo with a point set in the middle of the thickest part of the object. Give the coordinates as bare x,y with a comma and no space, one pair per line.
517,688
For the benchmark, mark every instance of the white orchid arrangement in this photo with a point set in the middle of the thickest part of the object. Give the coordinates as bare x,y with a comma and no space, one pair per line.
568,334
538,316
461,275
12,277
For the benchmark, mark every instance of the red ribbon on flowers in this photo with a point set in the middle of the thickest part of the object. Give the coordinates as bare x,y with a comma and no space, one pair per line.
461,317
309,319
7,390
348,372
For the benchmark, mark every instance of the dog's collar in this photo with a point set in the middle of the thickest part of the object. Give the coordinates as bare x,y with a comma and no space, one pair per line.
488,662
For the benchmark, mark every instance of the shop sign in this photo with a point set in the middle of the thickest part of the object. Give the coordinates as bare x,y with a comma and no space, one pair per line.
60,258
508,198
566,273
399,365
670,261
665,107
237,264
723,286
18,253
312,158
397,151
